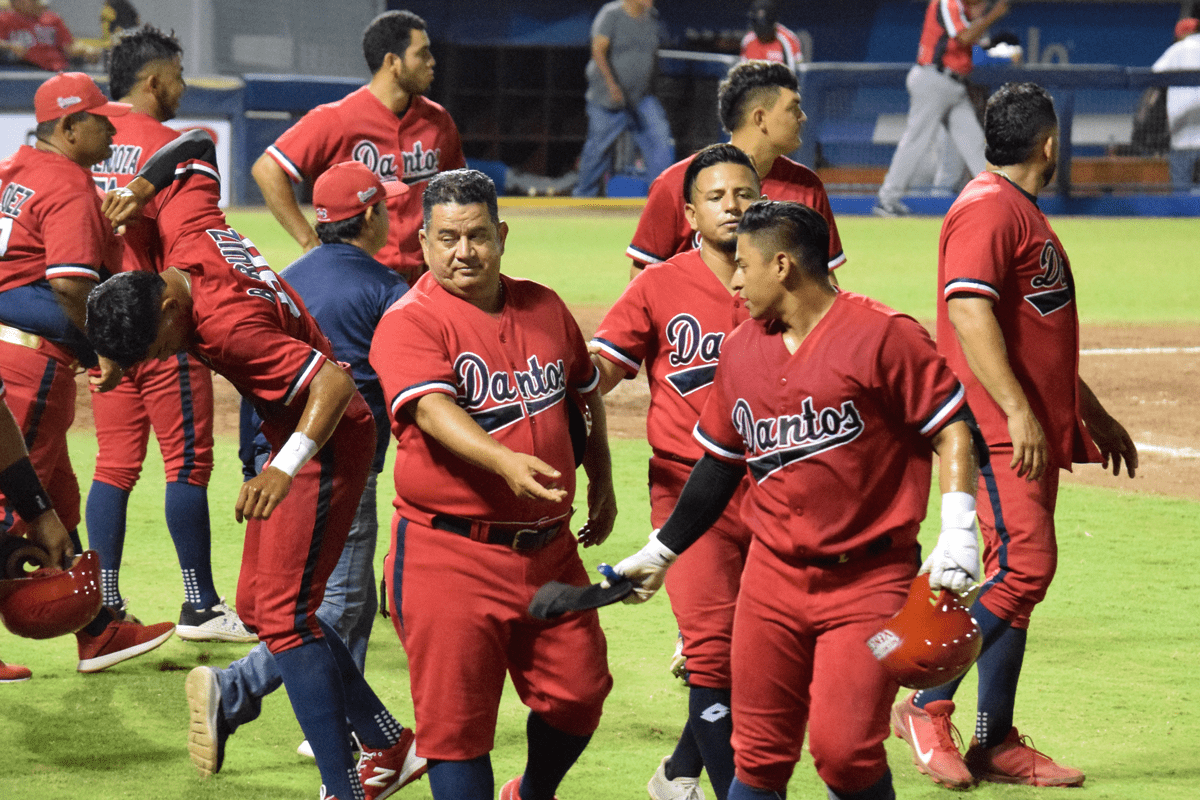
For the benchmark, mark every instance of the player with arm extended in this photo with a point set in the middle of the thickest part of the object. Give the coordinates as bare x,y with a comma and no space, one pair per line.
55,242
479,371
387,124
833,405
673,317
1008,325
759,105
174,397
346,291
224,305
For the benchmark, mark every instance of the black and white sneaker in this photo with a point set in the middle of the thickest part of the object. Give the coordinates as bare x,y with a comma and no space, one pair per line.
217,624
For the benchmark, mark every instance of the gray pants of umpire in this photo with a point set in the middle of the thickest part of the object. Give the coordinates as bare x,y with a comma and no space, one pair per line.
934,99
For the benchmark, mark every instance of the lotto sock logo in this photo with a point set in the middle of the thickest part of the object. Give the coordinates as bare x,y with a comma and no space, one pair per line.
715,712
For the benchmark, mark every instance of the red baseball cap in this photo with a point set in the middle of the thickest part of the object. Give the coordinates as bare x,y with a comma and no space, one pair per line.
68,92
348,189
1186,27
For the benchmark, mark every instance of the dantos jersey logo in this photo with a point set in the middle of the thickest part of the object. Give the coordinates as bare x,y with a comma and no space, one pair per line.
1056,289
693,350
774,443
416,166
497,399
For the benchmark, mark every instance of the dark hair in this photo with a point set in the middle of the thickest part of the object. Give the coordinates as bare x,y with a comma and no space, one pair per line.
45,130
793,228
125,16
462,186
710,156
1016,121
133,52
344,230
748,84
123,314
390,32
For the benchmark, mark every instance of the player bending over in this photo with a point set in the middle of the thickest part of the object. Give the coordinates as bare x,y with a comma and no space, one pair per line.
224,305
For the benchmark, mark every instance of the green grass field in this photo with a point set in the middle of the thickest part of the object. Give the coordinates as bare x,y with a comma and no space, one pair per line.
1109,683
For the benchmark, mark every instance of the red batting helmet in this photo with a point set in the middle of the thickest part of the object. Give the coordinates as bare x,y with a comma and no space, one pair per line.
931,641
51,602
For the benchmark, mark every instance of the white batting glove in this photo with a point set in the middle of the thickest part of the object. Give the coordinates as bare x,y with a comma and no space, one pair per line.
954,562
647,568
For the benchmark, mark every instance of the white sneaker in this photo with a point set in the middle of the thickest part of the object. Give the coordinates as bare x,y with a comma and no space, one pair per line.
217,624
679,789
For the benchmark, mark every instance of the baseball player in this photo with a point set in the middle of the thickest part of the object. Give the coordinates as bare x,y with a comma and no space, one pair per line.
1008,325
823,394
673,318
477,369
759,105
937,91
388,125
346,291
227,308
19,481
174,397
767,40
54,241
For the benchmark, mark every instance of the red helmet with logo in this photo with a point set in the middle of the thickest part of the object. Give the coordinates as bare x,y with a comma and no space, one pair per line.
51,602
931,641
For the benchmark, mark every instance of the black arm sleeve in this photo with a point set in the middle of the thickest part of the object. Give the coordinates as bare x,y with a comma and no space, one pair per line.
193,145
701,503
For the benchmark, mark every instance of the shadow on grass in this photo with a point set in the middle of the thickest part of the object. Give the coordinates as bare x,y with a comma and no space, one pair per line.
86,731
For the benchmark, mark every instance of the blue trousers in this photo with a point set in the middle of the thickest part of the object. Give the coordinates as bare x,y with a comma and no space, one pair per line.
646,121
349,608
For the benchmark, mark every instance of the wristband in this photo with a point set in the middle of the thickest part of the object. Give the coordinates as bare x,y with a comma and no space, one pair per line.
294,454
21,486
958,510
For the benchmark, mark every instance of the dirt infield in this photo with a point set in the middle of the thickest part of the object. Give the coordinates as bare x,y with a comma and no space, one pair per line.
1146,376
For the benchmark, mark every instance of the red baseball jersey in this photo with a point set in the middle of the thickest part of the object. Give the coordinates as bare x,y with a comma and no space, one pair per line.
835,437
250,326
45,38
663,230
945,19
138,137
510,372
997,244
412,147
786,48
673,317
50,221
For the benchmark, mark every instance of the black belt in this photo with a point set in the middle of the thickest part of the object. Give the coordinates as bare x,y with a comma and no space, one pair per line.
522,536
951,74
875,547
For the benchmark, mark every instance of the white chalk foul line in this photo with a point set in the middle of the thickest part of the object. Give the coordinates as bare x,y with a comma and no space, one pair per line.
1137,351
1177,452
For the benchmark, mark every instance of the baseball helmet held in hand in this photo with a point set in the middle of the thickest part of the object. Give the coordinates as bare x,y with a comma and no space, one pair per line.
51,602
932,640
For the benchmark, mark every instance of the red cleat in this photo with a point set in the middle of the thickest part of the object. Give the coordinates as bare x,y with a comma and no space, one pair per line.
120,641
1016,761
383,772
934,741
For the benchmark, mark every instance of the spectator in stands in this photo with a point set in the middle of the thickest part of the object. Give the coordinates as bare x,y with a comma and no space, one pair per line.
33,35
767,40
625,39
937,90
1183,104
